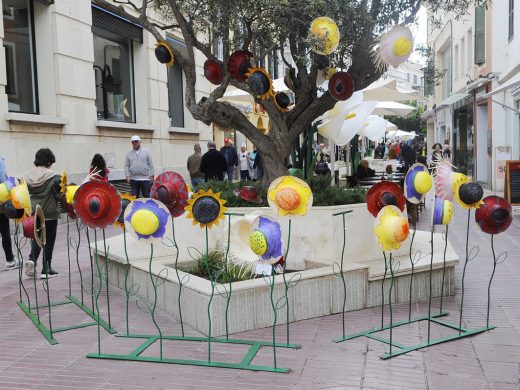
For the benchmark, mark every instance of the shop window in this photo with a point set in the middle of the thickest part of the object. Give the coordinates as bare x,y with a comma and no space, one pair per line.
20,63
113,65
175,86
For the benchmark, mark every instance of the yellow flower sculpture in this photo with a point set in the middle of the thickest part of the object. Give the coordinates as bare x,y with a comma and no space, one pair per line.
63,182
21,198
468,194
324,35
391,228
70,192
206,208
289,195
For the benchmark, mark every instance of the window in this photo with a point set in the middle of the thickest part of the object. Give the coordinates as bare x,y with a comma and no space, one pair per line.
456,61
511,17
175,85
469,40
273,65
447,66
480,35
218,47
462,55
113,65
20,64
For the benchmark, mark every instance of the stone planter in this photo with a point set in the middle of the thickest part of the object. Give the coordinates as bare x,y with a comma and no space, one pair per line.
316,243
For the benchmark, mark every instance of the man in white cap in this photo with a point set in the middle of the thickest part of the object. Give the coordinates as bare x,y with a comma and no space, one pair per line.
139,169
243,162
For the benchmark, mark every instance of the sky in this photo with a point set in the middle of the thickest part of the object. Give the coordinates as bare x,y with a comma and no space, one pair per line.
419,31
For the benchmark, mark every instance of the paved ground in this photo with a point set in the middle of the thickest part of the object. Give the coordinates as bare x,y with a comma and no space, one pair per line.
487,361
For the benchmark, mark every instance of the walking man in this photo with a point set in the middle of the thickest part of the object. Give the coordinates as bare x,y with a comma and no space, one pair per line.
213,164
197,177
139,169
243,160
230,154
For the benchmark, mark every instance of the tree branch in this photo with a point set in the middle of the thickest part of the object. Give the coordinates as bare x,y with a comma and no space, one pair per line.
316,108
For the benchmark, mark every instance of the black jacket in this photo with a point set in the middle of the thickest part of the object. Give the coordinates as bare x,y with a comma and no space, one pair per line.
213,165
230,154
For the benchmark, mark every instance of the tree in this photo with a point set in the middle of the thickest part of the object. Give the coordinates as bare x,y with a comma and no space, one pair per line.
262,26
411,122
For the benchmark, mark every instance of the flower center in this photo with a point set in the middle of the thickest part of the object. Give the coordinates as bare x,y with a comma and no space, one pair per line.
402,47
145,222
288,199
258,242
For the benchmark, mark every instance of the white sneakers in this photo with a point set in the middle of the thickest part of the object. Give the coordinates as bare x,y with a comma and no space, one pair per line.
14,264
29,268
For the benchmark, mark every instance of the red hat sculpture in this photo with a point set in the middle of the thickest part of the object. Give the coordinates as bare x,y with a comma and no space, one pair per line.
214,71
341,86
238,64
171,189
248,193
385,193
97,204
495,215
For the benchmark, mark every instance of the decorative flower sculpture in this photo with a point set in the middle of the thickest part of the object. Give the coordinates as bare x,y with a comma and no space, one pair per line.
5,189
214,71
260,83
206,208
164,53
171,189
391,228
10,211
238,64
97,204
71,191
126,199
495,215
289,195
442,211
341,86
21,198
64,182
417,183
34,227
324,35
468,194
266,238
384,193
281,101
446,180
249,194
147,219
395,46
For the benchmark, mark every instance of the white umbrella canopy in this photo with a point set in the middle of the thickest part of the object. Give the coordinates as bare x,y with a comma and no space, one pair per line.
393,108
389,90
399,134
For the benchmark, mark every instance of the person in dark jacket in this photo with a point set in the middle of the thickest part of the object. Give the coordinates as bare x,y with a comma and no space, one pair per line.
213,164
407,156
230,154
363,171
258,166
44,188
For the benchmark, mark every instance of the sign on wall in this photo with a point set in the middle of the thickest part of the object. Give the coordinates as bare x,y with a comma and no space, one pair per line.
512,182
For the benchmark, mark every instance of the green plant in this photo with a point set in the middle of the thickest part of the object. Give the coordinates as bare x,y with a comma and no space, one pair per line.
213,266
323,193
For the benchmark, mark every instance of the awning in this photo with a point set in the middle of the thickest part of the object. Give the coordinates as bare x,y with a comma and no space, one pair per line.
511,83
109,21
45,2
454,98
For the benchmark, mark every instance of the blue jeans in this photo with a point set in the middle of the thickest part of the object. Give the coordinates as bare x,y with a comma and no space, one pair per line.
230,173
196,182
140,186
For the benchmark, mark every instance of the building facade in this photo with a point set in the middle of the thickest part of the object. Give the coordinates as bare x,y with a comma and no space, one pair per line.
80,80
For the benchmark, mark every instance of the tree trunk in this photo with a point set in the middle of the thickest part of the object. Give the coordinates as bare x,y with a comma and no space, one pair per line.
274,166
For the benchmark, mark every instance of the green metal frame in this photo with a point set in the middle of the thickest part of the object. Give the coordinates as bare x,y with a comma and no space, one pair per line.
33,311
431,318
245,364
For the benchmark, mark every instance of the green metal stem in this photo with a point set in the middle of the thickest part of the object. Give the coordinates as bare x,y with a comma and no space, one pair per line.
430,289
383,293
178,276
68,255
412,273
106,276
343,276
491,279
444,266
228,297
464,271
390,299
211,297
286,285
100,276
127,292
275,316
77,262
92,295
46,284
154,306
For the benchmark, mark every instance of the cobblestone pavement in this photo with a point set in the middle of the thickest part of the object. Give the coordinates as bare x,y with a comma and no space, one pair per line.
487,361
